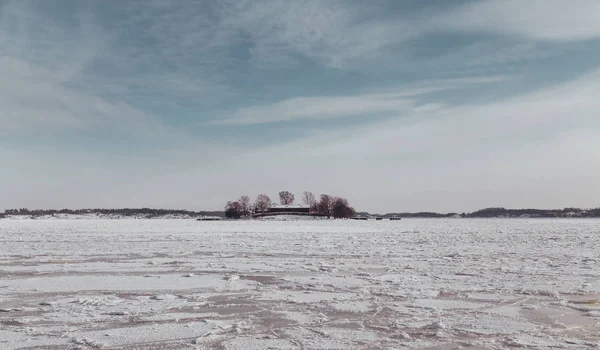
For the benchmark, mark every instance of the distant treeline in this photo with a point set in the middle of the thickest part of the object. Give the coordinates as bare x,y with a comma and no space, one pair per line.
536,213
146,212
508,213
483,213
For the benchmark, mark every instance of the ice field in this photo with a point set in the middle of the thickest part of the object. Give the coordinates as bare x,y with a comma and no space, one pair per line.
323,284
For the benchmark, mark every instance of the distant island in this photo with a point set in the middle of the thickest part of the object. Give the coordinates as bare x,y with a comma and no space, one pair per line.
148,213
141,213
502,213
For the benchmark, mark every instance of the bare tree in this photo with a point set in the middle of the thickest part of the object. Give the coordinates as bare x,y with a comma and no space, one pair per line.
233,210
245,205
262,203
324,205
308,198
286,198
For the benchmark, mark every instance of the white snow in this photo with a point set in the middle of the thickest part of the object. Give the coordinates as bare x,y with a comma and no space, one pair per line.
299,284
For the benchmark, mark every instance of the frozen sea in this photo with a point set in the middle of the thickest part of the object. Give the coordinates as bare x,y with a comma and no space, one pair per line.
323,284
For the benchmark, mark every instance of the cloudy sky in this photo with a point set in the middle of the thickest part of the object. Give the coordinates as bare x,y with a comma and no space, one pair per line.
398,105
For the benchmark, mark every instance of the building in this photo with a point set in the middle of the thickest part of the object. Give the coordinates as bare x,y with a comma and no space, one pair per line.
288,209
285,210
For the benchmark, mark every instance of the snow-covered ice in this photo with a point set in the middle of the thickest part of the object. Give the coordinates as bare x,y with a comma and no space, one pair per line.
309,284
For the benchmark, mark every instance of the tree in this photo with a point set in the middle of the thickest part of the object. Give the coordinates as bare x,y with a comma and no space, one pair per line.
336,207
308,198
286,198
245,206
262,203
233,210
340,209
324,205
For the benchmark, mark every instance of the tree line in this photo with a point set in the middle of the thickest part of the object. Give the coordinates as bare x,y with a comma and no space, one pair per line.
326,205
146,212
499,212
539,213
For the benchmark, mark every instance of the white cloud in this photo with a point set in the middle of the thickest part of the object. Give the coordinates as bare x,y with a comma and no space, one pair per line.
556,20
390,101
49,89
304,108
33,99
566,107
42,60
191,62
334,33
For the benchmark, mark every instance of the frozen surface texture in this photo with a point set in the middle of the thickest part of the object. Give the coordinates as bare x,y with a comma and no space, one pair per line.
411,284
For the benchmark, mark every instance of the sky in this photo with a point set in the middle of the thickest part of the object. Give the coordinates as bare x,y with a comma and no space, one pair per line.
397,105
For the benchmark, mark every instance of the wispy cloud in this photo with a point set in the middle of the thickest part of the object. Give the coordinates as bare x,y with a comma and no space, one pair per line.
334,33
320,108
37,98
273,33
303,108
555,20
49,86
544,113
103,70
42,60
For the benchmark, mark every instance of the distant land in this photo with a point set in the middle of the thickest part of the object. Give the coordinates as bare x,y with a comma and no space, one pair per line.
502,213
148,213
142,213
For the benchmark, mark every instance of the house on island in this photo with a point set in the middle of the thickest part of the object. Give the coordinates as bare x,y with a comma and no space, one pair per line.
285,210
